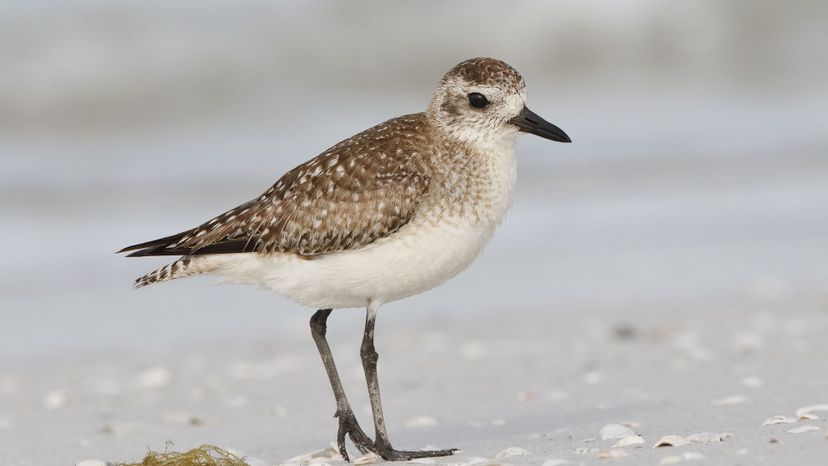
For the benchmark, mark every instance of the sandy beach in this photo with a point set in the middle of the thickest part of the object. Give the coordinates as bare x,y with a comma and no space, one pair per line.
746,382
661,281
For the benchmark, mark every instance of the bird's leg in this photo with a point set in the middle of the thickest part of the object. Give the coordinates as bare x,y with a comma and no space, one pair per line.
348,424
382,446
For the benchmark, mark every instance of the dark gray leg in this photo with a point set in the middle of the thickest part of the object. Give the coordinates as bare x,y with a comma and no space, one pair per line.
382,446
347,421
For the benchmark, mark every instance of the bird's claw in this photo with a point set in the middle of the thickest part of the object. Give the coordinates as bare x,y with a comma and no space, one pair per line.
348,426
389,454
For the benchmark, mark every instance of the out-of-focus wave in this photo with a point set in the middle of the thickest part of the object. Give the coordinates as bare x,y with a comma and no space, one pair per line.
127,65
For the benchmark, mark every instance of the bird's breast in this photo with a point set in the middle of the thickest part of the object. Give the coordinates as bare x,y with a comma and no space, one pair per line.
479,191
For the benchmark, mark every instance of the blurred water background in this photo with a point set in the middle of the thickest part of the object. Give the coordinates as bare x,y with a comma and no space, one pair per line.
698,176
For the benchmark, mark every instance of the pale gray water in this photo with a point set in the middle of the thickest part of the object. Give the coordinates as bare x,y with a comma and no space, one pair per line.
698,210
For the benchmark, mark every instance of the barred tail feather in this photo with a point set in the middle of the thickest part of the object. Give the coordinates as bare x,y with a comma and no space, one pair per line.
183,267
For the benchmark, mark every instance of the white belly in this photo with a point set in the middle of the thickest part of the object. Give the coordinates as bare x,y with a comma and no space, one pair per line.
436,245
415,259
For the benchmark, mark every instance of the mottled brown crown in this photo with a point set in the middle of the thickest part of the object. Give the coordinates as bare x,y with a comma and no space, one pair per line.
485,71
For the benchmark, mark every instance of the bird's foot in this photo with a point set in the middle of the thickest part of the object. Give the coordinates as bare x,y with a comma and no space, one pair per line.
388,453
348,426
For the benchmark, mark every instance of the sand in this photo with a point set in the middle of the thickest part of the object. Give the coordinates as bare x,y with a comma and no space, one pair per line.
503,390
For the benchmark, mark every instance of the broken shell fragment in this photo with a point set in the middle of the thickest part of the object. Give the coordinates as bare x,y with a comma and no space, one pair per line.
803,429
811,409
778,420
671,441
630,441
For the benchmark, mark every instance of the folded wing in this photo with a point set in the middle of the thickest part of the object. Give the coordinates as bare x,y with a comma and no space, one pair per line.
337,201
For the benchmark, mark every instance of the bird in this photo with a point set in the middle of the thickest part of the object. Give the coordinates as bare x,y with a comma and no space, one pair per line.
388,213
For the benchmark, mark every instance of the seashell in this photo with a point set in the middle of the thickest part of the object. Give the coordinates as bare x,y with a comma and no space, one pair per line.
630,441
587,451
752,382
811,409
671,441
613,431
511,451
778,420
251,461
558,395
91,462
803,429
708,437
604,455
370,458
55,399
325,453
154,377
420,421
731,400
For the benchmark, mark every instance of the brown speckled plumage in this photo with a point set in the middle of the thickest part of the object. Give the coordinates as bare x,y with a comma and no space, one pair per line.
486,71
364,188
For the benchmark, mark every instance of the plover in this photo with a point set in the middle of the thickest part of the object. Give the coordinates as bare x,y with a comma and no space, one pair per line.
388,213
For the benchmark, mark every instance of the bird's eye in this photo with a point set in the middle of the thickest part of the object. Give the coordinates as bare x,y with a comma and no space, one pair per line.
478,100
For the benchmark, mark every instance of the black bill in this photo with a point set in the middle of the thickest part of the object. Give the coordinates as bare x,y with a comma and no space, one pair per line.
529,122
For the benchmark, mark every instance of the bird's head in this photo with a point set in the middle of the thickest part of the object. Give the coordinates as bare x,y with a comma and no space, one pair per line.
483,101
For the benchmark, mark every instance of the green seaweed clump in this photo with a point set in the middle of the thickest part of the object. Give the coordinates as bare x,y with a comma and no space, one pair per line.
205,455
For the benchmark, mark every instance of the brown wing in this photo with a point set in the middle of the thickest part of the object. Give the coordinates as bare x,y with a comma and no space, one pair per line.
346,198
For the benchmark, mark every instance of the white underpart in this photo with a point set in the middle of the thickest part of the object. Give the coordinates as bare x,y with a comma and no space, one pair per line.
424,253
